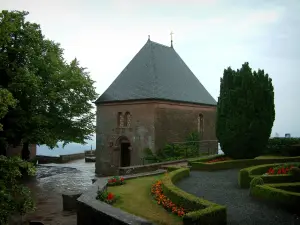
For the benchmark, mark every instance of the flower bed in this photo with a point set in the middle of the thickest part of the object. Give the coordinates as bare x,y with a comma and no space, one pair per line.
247,174
197,210
106,197
115,181
221,159
282,169
161,199
238,163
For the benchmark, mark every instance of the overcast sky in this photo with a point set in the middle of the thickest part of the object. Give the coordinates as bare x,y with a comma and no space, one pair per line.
209,35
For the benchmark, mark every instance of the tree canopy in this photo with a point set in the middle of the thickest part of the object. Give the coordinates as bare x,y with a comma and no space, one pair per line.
245,112
47,99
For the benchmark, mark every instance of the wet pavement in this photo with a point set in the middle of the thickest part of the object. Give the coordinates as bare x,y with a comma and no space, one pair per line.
73,176
51,181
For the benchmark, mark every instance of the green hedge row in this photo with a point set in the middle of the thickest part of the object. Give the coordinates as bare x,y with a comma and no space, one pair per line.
200,210
246,175
276,193
283,146
240,163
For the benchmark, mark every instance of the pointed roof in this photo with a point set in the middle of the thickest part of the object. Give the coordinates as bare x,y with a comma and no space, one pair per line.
157,73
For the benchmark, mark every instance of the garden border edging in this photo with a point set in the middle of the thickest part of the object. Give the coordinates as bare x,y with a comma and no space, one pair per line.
202,211
271,193
239,163
246,175
91,211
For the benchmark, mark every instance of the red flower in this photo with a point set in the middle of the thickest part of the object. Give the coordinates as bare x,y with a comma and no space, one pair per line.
122,178
271,171
110,196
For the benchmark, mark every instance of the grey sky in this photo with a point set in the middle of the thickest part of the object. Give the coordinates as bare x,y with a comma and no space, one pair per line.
209,35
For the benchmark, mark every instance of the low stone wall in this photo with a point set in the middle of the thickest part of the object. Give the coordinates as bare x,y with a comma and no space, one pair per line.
91,211
148,167
90,153
71,157
42,159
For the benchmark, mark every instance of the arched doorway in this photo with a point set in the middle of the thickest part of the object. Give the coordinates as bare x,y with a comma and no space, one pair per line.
124,146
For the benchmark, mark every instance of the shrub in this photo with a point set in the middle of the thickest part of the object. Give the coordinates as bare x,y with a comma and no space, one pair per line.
115,181
283,146
276,193
256,181
171,151
245,112
295,171
14,197
106,197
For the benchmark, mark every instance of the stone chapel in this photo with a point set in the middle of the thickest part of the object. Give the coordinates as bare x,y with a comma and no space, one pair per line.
155,100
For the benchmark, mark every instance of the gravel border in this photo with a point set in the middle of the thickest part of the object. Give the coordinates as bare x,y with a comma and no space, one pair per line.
221,187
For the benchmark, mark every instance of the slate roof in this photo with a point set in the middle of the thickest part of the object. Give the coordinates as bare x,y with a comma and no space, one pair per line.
158,73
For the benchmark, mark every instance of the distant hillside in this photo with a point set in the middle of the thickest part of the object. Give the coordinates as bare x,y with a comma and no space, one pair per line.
68,149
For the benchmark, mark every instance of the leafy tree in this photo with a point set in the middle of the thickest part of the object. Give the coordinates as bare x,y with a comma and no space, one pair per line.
14,198
245,112
6,101
53,96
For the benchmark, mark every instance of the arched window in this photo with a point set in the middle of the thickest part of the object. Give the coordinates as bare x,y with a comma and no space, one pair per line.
200,124
127,119
120,119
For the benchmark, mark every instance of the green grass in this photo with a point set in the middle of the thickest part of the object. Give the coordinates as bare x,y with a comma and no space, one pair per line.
135,198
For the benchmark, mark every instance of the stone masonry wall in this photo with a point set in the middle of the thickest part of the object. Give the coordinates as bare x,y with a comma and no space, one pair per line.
140,133
16,151
174,121
152,125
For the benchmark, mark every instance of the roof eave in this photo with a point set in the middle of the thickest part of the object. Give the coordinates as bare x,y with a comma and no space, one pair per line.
152,99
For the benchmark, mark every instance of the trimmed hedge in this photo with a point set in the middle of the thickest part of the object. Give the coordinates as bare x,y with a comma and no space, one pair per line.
200,210
275,193
247,174
283,146
240,163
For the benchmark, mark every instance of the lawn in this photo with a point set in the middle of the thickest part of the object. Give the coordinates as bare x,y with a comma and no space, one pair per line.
135,198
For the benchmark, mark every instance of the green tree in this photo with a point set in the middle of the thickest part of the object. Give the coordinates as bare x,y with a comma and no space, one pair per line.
245,112
14,198
54,98
6,101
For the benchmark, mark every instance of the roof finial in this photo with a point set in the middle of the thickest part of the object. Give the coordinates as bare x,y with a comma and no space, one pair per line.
148,37
171,39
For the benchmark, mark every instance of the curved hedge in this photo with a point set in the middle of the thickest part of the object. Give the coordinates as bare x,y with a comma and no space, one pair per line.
240,163
200,210
279,194
247,174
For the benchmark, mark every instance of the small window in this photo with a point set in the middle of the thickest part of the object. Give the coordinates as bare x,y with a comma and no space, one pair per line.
120,119
200,124
127,119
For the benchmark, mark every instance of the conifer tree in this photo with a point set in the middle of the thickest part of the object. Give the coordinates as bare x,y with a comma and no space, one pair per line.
245,112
